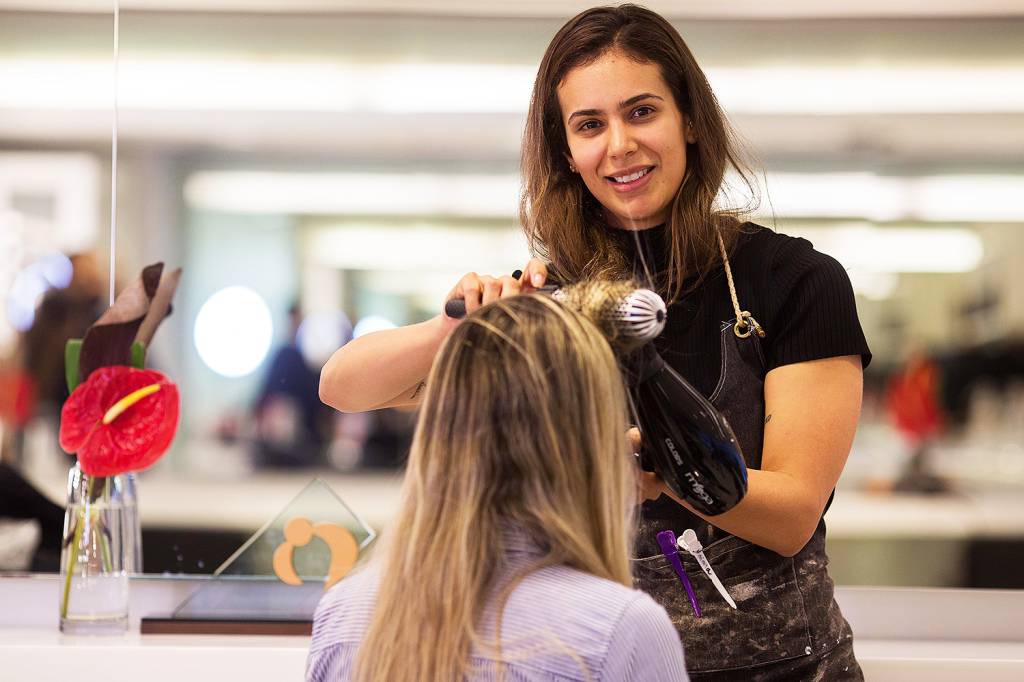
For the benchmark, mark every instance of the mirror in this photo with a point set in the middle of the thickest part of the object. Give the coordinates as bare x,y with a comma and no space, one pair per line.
324,173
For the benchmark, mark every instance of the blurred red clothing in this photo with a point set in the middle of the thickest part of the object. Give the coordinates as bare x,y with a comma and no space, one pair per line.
17,397
912,401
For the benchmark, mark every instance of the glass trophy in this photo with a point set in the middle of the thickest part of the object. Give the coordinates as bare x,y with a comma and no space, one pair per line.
273,583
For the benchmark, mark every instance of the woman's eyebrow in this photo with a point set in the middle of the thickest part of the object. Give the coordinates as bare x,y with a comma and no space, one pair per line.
622,105
636,98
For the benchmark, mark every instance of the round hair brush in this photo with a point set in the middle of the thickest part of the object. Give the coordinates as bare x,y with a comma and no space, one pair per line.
626,315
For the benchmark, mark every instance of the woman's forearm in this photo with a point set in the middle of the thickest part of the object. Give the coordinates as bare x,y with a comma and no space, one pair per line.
383,368
802,458
777,513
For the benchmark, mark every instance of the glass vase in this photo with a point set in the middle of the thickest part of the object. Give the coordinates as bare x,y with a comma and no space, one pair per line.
134,527
97,556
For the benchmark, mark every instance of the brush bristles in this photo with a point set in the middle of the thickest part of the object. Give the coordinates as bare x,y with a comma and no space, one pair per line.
628,316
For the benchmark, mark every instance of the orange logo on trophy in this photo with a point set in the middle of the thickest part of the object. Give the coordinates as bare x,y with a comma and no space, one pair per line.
299,532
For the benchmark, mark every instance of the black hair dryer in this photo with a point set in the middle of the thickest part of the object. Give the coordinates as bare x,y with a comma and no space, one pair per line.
684,438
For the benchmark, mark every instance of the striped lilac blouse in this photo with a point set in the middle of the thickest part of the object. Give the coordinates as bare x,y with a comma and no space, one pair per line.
559,624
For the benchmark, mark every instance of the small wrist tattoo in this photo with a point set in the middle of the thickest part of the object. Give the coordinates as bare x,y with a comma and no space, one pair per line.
767,419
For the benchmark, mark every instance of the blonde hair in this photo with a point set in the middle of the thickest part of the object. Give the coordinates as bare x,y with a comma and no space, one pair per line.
522,425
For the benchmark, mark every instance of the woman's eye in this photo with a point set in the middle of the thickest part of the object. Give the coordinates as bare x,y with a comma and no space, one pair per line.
640,112
589,125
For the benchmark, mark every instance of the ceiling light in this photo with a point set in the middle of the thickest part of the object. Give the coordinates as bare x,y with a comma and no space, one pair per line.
477,194
193,83
864,90
871,249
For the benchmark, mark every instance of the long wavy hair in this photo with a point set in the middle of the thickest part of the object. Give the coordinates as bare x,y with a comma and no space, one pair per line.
564,223
522,426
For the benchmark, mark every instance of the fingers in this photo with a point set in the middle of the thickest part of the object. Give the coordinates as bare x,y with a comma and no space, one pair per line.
491,290
534,276
479,290
649,485
510,286
469,290
633,436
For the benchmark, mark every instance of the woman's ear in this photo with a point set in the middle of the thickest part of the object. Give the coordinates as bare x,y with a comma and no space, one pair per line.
572,164
689,134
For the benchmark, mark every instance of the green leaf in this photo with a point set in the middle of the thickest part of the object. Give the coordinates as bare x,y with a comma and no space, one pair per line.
72,352
138,355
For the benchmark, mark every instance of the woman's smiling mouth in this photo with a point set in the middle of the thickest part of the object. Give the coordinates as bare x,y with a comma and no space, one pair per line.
630,181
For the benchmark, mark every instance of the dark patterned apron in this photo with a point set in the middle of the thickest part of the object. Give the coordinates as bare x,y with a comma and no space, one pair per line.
787,625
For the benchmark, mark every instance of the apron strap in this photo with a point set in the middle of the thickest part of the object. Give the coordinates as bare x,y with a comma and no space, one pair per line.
745,322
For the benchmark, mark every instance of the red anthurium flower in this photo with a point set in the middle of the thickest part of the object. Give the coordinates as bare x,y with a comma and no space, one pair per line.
121,419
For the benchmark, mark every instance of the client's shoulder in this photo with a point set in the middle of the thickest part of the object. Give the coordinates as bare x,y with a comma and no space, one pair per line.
568,597
567,619
345,611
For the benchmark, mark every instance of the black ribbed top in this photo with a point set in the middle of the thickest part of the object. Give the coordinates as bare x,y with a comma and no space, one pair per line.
802,299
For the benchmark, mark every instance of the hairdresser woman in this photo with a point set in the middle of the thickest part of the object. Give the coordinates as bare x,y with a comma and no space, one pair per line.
624,154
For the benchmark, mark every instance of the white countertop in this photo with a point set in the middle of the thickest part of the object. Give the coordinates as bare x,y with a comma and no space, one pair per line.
900,635
48,655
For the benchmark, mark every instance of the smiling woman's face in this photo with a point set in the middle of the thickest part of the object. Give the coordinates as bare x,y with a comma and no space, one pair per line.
626,138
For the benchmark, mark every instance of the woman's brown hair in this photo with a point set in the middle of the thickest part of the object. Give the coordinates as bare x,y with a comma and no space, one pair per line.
563,222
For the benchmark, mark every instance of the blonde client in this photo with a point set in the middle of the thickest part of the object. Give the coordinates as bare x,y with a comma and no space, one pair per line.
509,556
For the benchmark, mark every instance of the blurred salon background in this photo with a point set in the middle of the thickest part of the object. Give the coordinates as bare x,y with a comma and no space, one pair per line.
326,168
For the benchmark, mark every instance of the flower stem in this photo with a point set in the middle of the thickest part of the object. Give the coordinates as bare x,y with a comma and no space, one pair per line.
73,550
108,564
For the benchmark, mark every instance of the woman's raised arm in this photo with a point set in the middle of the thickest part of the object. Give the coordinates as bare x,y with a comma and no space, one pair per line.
389,368
382,369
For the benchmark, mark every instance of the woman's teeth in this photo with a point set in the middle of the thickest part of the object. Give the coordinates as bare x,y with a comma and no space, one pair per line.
632,176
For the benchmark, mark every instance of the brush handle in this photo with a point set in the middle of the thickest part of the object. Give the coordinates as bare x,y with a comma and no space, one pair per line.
456,307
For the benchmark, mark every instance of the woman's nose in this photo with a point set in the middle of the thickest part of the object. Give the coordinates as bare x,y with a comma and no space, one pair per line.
620,140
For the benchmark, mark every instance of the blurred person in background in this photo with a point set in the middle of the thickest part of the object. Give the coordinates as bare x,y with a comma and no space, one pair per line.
62,314
912,403
509,555
20,500
291,422
388,439
624,156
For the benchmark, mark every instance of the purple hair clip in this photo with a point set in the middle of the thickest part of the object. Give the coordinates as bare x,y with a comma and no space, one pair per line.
667,542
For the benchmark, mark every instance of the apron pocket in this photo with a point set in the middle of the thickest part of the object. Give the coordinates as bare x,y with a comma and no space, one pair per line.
770,623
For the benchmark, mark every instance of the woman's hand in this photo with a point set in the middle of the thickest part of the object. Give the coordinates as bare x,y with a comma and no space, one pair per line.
649,484
535,275
479,290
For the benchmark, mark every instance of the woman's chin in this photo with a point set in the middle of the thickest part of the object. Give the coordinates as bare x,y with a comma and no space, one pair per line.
636,220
